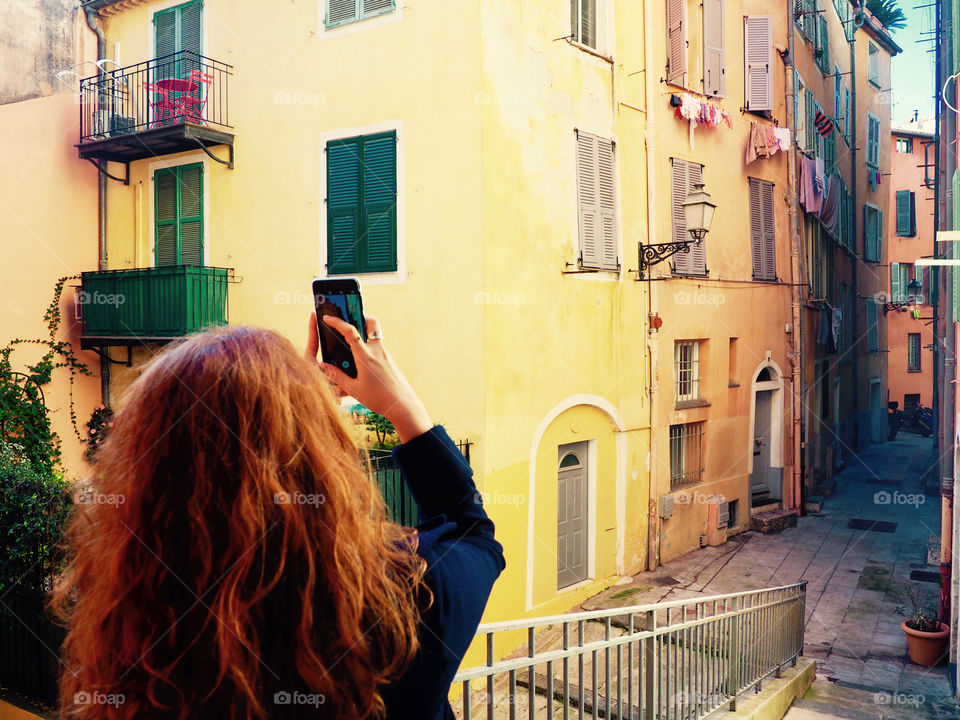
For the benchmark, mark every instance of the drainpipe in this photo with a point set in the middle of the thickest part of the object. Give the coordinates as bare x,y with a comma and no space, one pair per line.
945,130
855,289
649,144
796,337
94,24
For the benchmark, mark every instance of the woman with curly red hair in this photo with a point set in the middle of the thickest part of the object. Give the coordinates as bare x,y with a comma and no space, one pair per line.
250,571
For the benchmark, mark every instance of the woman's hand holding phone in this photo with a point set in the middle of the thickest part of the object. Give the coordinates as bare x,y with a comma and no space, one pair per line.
379,384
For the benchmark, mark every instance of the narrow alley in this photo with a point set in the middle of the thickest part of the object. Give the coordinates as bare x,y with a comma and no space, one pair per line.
859,553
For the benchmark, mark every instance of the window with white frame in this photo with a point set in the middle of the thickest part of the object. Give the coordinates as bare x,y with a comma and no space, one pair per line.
873,64
342,12
899,279
686,361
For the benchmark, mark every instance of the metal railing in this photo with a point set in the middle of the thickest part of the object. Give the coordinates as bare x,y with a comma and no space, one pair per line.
181,87
678,660
165,301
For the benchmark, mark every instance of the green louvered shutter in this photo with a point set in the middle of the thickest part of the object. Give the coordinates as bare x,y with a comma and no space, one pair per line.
376,7
903,213
873,337
896,283
810,127
342,11
379,237
178,215
343,205
165,216
165,32
871,232
178,29
191,215
823,44
190,31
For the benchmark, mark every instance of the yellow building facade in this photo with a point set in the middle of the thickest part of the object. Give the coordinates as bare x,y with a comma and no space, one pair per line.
517,165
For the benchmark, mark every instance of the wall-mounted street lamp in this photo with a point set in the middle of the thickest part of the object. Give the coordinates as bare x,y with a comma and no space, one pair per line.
913,289
698,211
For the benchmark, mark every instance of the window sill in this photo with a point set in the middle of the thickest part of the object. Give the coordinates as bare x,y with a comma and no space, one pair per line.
918,370
589,50
685,404
733,384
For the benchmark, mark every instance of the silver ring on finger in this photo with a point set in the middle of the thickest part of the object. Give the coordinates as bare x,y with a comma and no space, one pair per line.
375,335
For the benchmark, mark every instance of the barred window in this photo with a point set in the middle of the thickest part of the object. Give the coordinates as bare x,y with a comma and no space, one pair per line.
913,352
686,360
686,454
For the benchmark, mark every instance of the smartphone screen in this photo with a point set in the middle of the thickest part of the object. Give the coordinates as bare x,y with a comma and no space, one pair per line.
339,297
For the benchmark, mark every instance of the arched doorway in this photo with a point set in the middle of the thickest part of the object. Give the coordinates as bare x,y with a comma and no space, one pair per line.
766,435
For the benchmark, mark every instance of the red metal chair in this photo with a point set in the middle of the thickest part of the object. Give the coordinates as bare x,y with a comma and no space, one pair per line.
193,105
165,109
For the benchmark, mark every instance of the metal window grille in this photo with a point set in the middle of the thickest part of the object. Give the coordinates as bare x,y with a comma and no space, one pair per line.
686,454
913,352
686,357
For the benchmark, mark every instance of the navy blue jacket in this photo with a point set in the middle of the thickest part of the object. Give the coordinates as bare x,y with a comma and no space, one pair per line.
463,561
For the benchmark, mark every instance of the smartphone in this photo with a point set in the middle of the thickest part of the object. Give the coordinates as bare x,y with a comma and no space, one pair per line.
339,297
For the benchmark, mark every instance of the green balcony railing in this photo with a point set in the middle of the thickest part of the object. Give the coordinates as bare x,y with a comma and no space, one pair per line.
122,307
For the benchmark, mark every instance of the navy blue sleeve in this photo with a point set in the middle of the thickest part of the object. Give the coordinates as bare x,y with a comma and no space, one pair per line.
463,562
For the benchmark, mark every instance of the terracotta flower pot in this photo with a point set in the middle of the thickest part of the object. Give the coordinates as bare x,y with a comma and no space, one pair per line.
926,648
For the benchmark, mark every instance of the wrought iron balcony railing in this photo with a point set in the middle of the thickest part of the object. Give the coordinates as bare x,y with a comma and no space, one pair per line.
160,106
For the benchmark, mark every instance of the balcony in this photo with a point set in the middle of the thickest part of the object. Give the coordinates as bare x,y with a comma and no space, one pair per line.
150,305
167,105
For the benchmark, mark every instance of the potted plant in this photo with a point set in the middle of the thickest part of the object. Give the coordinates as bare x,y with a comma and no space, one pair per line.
927,637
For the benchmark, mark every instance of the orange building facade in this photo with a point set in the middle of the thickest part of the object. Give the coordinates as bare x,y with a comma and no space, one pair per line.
909,235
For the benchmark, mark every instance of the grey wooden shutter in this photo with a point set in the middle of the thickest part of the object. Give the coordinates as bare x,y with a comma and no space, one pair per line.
714,37
588,206
606,180
679,188
588,23
676,42
769,245
683,176
918,275
756,228
873,340
762,235
758,46
896,283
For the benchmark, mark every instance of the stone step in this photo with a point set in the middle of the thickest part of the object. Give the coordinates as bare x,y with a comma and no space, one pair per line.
803,709
773,521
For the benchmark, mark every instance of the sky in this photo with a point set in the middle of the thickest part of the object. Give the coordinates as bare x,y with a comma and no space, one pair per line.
912,80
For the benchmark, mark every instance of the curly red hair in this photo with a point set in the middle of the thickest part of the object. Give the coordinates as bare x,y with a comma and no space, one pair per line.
235,551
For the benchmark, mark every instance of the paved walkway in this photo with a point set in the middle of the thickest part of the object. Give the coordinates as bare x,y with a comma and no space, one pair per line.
855,576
